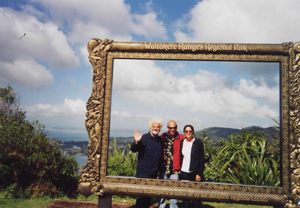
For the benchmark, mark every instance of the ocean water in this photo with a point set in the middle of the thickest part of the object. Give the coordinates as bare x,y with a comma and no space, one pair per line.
65,135
68,134
82,160
78,134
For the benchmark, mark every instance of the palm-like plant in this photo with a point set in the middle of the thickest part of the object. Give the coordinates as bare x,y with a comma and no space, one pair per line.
121,162
246,159
252,169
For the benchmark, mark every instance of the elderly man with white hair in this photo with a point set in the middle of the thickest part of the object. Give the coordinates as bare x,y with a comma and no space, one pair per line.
150,158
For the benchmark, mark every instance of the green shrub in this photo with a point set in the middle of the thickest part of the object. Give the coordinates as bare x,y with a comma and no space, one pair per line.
122,162
246,158
29,159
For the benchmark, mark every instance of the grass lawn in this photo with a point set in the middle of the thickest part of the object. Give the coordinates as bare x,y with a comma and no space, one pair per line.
206,204
41,202
221,205
225,205
26,203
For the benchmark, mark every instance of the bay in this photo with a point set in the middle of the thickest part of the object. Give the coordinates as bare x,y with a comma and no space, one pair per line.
82,160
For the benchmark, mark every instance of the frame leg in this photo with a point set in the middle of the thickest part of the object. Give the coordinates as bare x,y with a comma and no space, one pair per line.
104,201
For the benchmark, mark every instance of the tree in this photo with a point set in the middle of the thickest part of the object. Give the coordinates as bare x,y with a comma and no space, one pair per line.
28,158
210,152
8,101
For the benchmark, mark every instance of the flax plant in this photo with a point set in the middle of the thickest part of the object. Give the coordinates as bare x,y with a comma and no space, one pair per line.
121,162
246,158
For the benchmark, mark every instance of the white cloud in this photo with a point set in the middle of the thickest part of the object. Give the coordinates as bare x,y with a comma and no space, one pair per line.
248,87
119,121
233,104
26,43
27,73
43,41
102,19
148,26
235,21
144,82
83,32
84,54
205,80
68,108
29,9
75,107
120,115
143,75
84,20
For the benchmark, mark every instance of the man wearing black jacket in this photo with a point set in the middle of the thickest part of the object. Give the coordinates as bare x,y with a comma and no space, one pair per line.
150,160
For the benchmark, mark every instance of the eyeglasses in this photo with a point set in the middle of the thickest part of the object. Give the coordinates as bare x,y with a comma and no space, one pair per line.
175,127
188,131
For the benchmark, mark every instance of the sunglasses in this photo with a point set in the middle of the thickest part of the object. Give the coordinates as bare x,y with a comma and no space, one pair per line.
188,131
175,127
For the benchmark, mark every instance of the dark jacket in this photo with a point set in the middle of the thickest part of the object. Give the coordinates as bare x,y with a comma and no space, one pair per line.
197,156
150,156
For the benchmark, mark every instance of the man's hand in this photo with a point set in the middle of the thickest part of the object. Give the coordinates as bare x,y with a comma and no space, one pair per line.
198,178
137,136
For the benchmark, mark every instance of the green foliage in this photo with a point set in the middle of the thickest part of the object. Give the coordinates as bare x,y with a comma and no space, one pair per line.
28,158
246,158
128,199
9,191
210,148
121,162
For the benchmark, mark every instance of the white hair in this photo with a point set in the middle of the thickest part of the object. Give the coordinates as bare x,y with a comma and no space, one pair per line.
156,121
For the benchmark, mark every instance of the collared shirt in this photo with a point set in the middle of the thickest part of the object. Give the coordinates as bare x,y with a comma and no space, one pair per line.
168,154
149,156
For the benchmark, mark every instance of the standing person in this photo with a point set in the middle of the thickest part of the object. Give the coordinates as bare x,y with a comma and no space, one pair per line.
149,148
192,160
171,142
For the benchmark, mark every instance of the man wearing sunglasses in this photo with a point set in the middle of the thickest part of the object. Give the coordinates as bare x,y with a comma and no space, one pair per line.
171,142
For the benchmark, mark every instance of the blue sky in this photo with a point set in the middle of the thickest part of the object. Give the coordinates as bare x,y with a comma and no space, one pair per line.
49,69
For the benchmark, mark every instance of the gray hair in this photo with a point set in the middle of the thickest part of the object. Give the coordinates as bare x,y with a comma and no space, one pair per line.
156,121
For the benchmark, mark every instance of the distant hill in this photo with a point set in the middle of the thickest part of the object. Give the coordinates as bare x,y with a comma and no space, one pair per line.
216,133
121,141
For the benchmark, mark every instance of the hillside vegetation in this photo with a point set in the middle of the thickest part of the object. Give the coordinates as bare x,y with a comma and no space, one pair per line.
30,163
246,157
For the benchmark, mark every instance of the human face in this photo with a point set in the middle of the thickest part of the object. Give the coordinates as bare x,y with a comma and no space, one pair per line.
155,129
172,128
188,132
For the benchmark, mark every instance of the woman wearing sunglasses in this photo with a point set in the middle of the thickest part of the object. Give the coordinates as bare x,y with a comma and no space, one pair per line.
192,160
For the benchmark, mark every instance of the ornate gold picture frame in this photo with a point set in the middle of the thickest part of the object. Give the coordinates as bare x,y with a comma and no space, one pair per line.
94,179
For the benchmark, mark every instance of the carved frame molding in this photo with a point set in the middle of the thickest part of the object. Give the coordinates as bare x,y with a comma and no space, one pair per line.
93,176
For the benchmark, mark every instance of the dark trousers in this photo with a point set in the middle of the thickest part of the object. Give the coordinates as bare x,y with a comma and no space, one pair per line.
143,202
189,203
